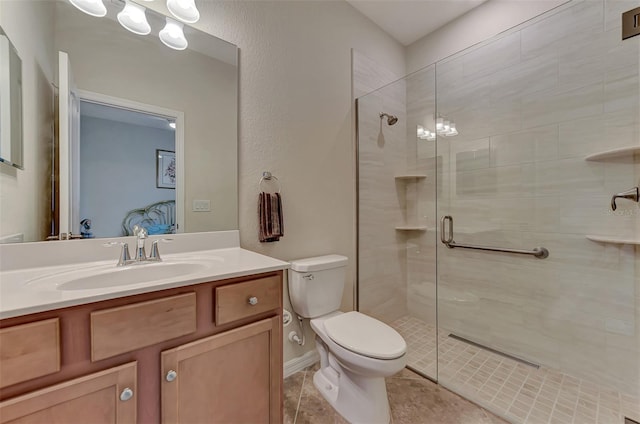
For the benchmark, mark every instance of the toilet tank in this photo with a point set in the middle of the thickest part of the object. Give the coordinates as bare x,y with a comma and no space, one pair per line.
316,285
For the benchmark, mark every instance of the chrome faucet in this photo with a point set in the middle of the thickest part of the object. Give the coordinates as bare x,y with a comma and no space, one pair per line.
631,194
141,235
141,256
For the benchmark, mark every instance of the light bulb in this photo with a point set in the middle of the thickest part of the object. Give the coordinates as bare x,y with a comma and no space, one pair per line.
446,126
90,7
134,19
172,36
439,124
185,10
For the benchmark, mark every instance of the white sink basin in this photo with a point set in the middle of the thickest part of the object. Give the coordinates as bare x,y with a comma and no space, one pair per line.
103,276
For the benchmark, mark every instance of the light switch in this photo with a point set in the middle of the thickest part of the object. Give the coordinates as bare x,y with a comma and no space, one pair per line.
202,206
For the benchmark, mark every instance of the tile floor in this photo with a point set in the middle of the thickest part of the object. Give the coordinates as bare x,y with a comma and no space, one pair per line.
517,392
413,400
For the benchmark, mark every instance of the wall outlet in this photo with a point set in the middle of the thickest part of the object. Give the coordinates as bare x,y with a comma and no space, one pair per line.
201,206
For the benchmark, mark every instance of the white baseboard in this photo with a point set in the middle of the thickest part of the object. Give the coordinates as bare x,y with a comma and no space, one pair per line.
301,362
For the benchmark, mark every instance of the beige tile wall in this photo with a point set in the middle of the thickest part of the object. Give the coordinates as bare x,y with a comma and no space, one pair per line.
529,107
382,155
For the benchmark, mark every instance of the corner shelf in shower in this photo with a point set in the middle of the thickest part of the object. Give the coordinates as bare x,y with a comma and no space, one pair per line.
411,177
615,153
613,240
411,228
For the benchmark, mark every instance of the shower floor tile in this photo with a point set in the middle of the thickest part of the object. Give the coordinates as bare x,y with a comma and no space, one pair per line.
515,391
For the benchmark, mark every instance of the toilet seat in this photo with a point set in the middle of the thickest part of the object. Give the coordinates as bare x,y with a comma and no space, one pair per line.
365,336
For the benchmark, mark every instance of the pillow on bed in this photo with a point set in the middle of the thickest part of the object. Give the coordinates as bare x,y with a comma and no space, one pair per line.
158,229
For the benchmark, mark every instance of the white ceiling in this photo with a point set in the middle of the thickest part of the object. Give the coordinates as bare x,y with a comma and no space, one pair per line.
409,20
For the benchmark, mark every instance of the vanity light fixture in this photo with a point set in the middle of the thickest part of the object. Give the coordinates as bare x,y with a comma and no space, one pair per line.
452,130
445,127
91,7
133,18
424,134
185,10
172,35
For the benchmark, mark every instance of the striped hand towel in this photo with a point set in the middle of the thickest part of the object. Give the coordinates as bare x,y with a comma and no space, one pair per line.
270,217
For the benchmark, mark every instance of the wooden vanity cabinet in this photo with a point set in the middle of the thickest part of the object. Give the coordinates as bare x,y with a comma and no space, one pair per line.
103,397
222,339
232,377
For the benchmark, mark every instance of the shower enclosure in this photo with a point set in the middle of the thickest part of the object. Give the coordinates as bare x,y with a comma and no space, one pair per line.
517,145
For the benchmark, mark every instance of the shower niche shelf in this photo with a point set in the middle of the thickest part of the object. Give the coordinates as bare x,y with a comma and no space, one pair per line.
615,153
411,177
411,228
613,240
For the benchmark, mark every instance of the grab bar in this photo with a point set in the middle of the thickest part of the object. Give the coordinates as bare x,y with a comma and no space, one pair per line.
538,252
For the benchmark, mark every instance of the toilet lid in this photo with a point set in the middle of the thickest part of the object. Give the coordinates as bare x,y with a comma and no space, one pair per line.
366,336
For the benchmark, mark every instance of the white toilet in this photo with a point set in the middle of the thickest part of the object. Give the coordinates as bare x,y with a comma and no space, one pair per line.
356,351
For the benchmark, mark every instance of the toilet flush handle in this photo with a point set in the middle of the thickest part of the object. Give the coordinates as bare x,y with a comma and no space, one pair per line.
308,277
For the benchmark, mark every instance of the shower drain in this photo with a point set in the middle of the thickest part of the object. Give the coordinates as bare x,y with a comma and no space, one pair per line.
497,352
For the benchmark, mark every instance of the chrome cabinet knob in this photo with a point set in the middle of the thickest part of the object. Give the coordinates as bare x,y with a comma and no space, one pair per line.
126,394
171,375
253,300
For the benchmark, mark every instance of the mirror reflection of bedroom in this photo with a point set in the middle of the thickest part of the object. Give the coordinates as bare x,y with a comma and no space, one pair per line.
127,171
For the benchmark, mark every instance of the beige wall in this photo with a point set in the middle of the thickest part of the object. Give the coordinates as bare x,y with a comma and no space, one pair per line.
24,193
382,200
479,24
296,119
530,106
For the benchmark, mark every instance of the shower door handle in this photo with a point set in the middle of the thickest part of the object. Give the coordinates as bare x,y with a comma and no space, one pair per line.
449,238
538,252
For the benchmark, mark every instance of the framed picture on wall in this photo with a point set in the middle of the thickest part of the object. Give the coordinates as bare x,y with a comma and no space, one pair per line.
165,169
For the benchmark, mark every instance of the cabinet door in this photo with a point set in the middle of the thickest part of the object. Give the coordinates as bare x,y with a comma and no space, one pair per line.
233,377
96,398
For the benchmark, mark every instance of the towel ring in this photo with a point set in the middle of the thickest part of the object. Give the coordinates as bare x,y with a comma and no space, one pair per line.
267,176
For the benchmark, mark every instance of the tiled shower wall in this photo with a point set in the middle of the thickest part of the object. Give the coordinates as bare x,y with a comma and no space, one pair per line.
529,107
382,155
421,246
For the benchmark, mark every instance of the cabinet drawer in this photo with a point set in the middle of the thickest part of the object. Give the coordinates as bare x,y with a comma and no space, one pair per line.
29,351
232,301
126,328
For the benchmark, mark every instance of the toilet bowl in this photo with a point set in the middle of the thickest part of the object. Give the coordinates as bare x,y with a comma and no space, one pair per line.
356,351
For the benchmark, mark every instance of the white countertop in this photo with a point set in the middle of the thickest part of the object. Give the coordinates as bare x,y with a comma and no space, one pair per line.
21,294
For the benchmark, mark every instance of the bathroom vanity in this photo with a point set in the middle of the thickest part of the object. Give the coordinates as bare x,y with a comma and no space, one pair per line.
202,347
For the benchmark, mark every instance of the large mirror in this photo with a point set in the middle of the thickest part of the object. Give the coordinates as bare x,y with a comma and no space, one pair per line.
119,129
10,103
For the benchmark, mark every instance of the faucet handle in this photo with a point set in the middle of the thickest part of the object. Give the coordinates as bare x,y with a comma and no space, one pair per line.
155,253
125,256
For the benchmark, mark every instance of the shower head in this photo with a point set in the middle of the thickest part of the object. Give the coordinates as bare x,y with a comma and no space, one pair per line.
391,119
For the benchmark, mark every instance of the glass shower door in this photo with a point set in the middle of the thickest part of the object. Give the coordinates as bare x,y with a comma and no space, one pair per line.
547,117
396,213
